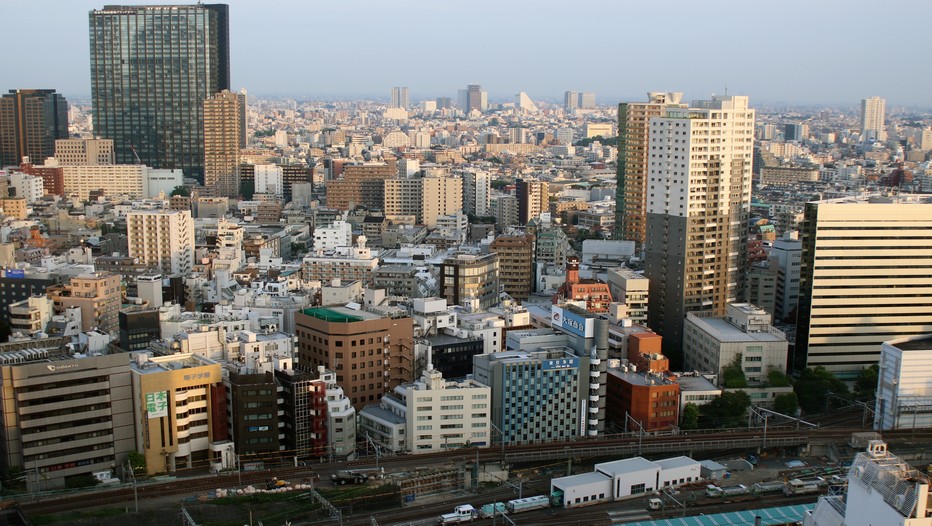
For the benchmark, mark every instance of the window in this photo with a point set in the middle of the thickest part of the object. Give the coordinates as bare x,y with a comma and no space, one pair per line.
637,489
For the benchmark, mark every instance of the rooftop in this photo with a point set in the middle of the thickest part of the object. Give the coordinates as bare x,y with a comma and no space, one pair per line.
726,332
769,517
383,414
916,343
696,383
628,465
583,478
339,314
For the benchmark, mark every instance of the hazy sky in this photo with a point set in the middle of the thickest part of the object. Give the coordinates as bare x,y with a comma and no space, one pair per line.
796,51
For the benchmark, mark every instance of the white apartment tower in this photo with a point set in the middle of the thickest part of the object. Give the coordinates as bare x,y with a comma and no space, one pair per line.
866,278
873,112
698,202
477,193
162,239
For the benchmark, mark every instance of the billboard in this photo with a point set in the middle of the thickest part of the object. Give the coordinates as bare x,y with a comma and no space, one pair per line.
571,322
157,404
16,273
560,363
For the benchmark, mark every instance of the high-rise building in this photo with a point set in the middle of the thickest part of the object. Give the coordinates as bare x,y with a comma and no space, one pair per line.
698,203
873,113
83,152
30,122
473,98
426,198
477,193
162,239
470,279
361,184
399,97
586,101
633,162
515,264
224,115
866,276
152,67
533,198
570,100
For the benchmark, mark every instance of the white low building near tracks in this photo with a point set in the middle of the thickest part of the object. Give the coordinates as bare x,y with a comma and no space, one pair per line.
621,479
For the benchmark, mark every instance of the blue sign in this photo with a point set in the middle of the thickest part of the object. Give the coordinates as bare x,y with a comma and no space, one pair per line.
560,363
576,324
15,273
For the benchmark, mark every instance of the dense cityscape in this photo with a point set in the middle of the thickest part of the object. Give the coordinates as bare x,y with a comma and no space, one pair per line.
683,308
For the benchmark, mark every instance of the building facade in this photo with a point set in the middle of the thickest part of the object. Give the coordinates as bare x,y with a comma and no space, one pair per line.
162,239
83,152
98,295
470,279
903,385
515,264
30,122
224,115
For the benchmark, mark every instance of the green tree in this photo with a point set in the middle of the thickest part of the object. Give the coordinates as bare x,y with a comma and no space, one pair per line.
733,375
777,379
499,184
137,461
728,410
786,403
690,417
181,190
813,385
866,384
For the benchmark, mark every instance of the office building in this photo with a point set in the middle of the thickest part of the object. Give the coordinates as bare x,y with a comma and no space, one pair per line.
470,280
268,179
53,176
370,354
538,396
139,326
135,181
744,335
904,383
477,193
761,287
533,198
638,398
866,275
697,211
83,152
425,198
873,114
29,187
473,99
253,419
631,288
224,115
361,184
303,413
515,264
162,239
399,98
30,122
98,296
347,264
795,131
634,161
595,293
786,257
570,100
64,418
586,101
152,67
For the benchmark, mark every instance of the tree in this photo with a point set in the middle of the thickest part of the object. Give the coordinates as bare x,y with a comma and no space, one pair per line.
813,386
866,384
733,375
690,417
728,410
181,190
786,403
137,461
777,379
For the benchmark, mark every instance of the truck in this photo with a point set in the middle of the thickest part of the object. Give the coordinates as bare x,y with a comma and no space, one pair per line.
728,491
800,487
462,513
528,504
341,478
495,508
762,488
654,504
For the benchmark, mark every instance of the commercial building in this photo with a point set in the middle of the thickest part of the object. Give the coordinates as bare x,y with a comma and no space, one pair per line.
537,396
904,384
154,111
303,413
355,263
135,181
83,152
162,239
470,279
642,400
14,207
30,121
426,198
515,264
370,354
361,184
139,326
181,410
744,335
53,176
697,211
595,293
64,418
533,198
787,175
98,295
634,161
253,415
786,256
631,288
866,279
224,136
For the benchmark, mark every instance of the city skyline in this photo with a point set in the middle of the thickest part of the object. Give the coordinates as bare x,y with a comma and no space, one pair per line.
517,47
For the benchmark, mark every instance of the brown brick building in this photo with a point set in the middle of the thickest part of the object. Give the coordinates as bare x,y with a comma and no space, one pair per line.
515,264
649,398
362,184
370,354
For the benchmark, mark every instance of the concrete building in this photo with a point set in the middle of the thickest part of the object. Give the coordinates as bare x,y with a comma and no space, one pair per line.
697,211
515,264
533,198
642,400
904,384
399,97
426,198
31,315
224,136
713,343
787,175
133,180
504,208
536,396
151,121
634,161
631,288
570,100
14,207
762,286
586,101
333,236
29,187
866,276
268,179
83,152
64,418
98,296
437,415
370,354
353,263
873,114
30,122
786,257
162,239
470,279
361,184
881,489
180,404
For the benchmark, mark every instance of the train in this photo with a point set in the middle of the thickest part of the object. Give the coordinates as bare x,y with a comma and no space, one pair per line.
467,513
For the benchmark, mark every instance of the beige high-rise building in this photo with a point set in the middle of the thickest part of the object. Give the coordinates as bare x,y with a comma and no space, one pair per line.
633,162
98,295
866,279
83,152
533,198
698,203
224,136
425,198
873,112
162,239
515,264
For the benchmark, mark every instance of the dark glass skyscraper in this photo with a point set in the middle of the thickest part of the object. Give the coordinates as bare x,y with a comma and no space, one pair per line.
151,69
30,121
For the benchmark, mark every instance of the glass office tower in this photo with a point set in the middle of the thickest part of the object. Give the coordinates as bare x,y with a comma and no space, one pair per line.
151,69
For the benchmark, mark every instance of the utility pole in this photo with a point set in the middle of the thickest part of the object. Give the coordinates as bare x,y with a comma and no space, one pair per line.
501,437
132,473
640,430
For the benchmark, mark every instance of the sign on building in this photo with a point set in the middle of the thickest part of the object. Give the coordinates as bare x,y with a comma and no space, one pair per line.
157,404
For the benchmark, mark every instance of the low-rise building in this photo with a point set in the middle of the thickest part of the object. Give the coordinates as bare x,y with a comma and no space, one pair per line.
904,385
642,400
